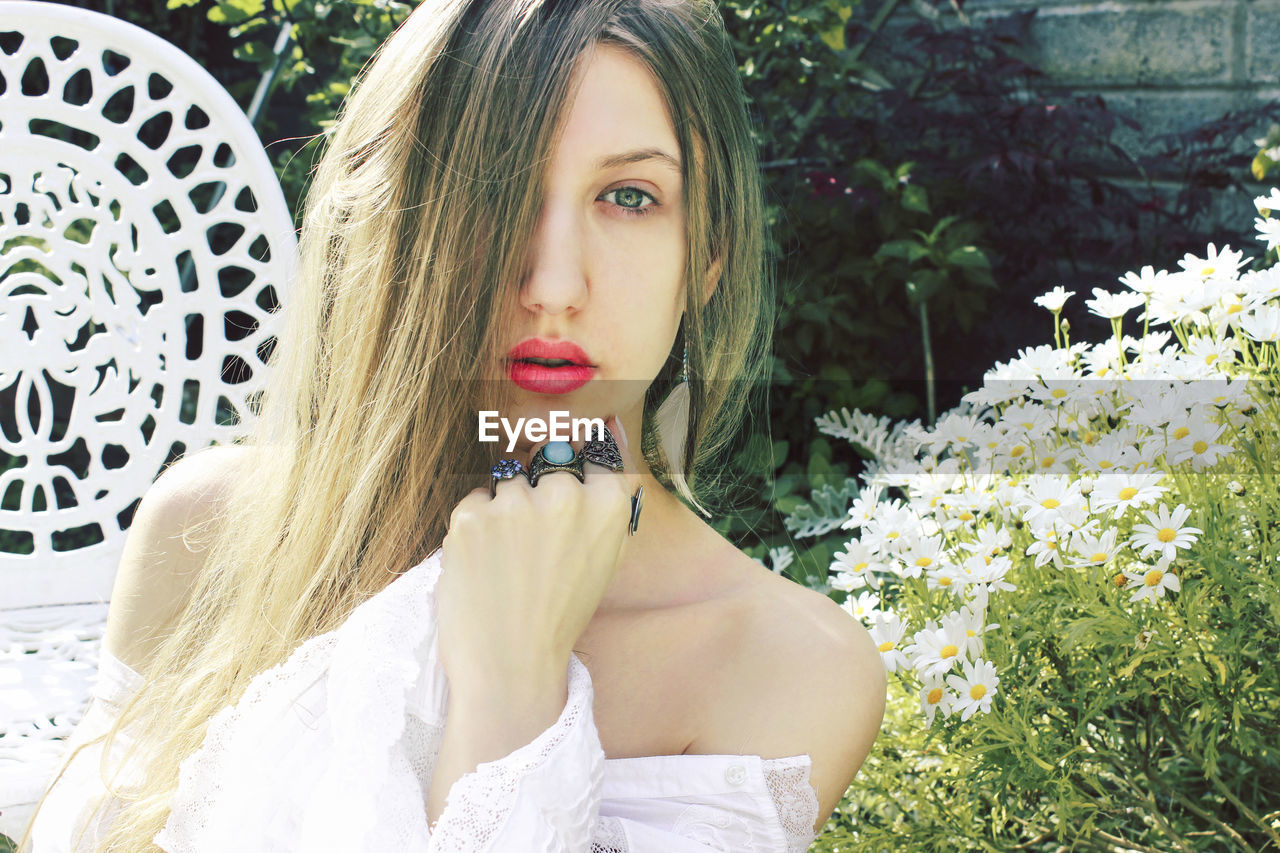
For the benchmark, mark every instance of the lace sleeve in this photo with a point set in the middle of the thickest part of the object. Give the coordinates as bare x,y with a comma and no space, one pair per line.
77,811
544,796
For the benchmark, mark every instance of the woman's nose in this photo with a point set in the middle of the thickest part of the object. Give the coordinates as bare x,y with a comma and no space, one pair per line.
557,279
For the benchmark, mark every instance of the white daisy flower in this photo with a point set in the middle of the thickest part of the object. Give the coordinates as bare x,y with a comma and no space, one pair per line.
1210,352
1054,299
970,621
863,508
934,650
1165,534
1126,489
1146,281
1047,497
986,574
1262,323
1153,583
854,566
1110,452
1215,264
886,630
1198,444
1268,232
945,576
1095,550
975,689
989,541
925,554
1045,547
935,697
1113,306
861,607
1266,204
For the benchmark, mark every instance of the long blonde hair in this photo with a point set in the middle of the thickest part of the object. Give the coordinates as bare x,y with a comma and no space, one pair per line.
416,226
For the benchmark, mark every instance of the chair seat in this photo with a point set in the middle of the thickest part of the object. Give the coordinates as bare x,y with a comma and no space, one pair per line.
48,657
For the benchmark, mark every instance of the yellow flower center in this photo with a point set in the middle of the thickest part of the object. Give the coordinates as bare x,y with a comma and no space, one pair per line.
1058,393
1049,503
859,567
1200,447
933,501
924,562
1207,271
1100,557
893,534
1235,308
1119,579
1181,432
1090,437
948,651
977,691
885,646
1153,577
1104,464
1017,451
1166,534
944,581
935,696
1127,493
966,516
1047,462
986,559
1210,359
971,632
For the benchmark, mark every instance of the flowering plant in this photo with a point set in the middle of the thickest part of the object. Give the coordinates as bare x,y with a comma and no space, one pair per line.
1075,571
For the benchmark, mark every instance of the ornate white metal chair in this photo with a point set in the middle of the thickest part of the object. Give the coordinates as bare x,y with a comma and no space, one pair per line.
144,247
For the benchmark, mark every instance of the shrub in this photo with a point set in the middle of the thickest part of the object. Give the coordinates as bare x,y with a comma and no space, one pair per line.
1074,573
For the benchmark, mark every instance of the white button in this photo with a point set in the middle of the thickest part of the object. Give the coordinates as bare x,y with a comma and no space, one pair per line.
735,775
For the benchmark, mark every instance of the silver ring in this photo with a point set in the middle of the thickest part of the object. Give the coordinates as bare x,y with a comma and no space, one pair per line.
542,465
506,469
603,451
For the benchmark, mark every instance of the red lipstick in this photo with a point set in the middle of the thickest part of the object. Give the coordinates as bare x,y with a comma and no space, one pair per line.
545,366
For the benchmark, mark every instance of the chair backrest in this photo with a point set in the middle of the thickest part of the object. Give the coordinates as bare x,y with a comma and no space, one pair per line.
145,247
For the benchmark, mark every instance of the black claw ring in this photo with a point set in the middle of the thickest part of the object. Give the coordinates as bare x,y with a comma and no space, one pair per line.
506,469
603,451
637,503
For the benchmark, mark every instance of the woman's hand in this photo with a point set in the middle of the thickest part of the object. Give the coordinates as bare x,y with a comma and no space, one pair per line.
524,571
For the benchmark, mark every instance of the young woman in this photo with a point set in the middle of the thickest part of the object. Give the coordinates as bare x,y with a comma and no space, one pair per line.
346,633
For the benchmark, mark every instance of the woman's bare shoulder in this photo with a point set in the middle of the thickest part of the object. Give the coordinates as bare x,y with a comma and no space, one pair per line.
161,559
810,675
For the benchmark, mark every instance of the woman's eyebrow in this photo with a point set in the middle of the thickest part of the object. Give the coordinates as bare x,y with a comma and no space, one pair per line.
636,156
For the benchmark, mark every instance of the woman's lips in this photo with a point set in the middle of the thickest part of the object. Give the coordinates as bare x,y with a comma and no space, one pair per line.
546,378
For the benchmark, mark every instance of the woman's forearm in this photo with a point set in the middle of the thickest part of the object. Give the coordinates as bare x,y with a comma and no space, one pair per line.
488,721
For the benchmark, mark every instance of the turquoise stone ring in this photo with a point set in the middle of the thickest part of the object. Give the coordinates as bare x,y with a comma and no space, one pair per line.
558,452
555,456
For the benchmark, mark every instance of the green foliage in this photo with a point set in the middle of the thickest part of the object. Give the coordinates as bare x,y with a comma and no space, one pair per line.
1267,161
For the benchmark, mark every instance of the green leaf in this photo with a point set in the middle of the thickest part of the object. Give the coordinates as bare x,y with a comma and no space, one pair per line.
178,4
915,198
970,257
909,250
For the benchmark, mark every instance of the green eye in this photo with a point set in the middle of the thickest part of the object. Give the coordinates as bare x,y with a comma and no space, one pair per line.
630,197
631,201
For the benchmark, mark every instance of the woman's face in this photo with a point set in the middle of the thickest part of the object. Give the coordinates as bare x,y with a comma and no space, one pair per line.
602,303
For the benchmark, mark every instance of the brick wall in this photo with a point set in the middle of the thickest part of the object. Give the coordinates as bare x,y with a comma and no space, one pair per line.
1170,64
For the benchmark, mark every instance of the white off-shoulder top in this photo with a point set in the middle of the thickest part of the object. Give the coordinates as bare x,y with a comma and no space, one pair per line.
334,749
